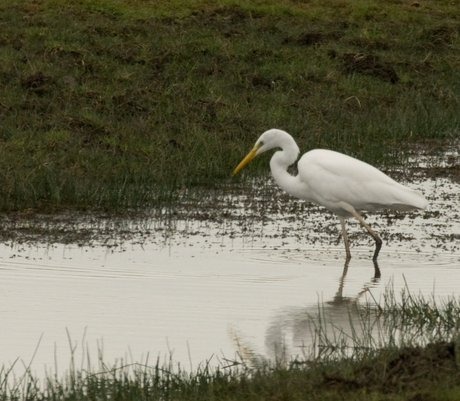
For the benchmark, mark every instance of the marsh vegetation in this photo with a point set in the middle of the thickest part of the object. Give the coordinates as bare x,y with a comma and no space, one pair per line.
141,109
109,105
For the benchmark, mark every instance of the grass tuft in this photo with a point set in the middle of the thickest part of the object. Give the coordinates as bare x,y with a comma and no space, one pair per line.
119,104
398,349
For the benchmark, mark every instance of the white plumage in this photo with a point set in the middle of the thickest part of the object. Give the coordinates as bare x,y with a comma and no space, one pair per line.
340,183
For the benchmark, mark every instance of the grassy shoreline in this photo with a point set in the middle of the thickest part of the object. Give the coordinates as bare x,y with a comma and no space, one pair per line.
109,105
412,356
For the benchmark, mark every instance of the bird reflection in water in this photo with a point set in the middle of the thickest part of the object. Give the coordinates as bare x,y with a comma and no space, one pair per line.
305,332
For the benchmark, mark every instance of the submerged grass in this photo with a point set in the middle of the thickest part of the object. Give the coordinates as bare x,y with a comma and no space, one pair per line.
119,104
412,356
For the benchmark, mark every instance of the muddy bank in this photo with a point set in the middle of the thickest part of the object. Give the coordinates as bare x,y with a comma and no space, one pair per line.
403,369
245,208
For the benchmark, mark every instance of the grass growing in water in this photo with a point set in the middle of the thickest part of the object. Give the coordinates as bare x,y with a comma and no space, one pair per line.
413,357
115,104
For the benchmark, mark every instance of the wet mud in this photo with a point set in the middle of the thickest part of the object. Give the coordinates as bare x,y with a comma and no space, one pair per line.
258,207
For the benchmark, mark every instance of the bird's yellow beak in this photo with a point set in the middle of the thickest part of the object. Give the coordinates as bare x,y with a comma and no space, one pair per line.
247,159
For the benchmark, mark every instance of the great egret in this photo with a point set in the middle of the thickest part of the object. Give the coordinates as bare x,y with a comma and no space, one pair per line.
340,183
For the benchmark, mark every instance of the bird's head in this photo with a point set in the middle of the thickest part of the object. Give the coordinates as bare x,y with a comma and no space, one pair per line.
273,138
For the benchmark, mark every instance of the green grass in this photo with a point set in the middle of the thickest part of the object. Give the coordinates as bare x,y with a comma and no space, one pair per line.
120,104
412,356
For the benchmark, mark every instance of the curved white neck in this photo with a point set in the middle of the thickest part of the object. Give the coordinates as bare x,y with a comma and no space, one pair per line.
279,163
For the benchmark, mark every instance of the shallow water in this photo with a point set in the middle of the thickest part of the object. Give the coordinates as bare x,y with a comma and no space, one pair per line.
201,291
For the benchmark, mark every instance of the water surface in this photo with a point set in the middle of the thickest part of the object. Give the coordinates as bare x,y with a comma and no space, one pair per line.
203,290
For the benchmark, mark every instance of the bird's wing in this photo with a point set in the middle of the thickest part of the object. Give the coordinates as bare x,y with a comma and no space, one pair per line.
334,177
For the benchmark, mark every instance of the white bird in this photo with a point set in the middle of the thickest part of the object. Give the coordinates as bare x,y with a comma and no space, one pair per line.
340,183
